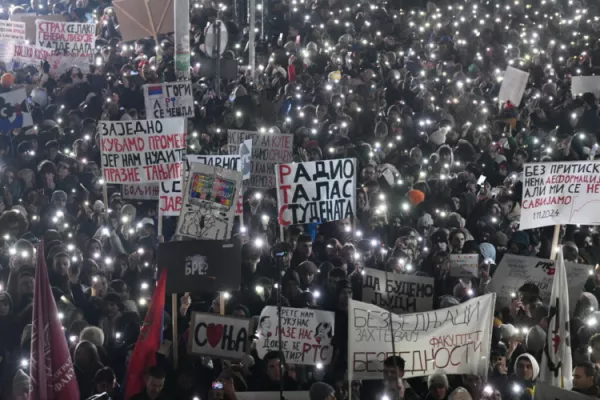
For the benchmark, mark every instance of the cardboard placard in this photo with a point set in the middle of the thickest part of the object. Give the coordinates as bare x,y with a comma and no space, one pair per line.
145,191
397,293
513,86
218,336
169,100
464,265
73,38
12,30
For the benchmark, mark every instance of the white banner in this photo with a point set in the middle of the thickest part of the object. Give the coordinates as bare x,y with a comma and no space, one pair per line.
182,39
514,271
221,337
74,38
144,191
513,86
455,340
143,151
560,193
169,100
171,192
316,191
268,149
12,30
23,55
584,84
13,112
464,265
397,293
306,334
209,203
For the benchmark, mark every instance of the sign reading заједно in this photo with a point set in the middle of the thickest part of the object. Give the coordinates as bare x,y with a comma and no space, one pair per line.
560,193
149,150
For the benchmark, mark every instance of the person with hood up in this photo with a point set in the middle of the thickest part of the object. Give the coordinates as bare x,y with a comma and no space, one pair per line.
438,387
526,372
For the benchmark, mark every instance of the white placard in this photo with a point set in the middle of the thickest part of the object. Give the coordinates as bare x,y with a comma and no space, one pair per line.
456,340
169,100
397,293
316,191
144,191
513,86
218,336
514,271
560,193
464,265
306,334
12,30
73,38
584,84
23,55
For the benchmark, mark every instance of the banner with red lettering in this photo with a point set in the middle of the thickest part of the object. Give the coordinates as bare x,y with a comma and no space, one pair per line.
144,191
144,151
316,191
12,30
455,340
23,55
171,193
74,38
305,335
267,149
210,200
560,193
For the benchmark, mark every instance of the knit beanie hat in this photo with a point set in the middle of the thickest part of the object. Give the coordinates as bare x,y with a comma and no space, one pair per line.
320,391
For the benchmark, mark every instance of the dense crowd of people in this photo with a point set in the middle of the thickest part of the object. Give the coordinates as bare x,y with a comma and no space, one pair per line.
408,89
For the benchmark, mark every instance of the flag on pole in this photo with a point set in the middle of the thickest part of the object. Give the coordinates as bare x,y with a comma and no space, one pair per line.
148,343
557,364
52,373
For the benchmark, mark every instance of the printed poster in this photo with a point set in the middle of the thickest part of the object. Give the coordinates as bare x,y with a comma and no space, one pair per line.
306,334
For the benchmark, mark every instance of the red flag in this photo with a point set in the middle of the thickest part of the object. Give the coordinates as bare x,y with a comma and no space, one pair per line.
148,343
52,373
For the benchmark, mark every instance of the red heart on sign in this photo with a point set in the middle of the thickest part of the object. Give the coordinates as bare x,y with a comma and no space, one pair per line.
214,334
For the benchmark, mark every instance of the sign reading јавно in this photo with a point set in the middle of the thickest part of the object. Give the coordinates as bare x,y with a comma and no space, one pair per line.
560,193
143,151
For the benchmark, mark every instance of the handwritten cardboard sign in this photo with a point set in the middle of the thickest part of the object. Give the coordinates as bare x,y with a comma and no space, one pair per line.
23,55
455,339
316,191
267,150
66,37
515,271
142,151
560,193
169,100
306,334
216,336
12,30
144,191
397,293
464,265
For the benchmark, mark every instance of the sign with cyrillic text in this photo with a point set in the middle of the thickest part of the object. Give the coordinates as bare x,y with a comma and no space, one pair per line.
13,111
305,335
144,191
515,271
455,339
23,55
316,191
171,192
513,86
268,149
144,151
74,38
464,265
397,293
560,193
220,337
12,30
210,200
169,100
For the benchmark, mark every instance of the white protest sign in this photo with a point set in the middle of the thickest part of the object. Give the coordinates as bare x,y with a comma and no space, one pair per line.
455,340
543,391
316,191
216,336
306,334
210,200
23,55
397,293
464,265
560,193
13,112
584,84
144,191
168,100
246,158
513,86
515,271
12,30
73,38
267,150
143,151
171,192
